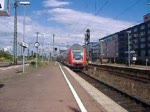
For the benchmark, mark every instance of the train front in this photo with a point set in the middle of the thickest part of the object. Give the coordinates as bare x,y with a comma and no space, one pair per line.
78,57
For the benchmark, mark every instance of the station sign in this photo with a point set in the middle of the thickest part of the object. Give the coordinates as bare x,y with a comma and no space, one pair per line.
132,52
25,45
4,7
37,44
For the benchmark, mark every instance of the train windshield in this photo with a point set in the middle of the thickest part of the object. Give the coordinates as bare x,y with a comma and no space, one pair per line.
78,54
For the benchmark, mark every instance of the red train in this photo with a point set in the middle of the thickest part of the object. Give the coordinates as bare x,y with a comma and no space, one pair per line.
74,57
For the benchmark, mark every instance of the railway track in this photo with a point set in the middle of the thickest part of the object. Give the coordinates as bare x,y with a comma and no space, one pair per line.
125,75
132,77
129,102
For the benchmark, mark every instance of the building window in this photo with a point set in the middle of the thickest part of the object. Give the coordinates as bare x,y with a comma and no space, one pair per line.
116,48
148,37
142,27
136,46
143,53
142,46
149,25
135,35
135,29
116,54
107,54
148,52
149,45
142,39
107,49
142,33
148,31
135,41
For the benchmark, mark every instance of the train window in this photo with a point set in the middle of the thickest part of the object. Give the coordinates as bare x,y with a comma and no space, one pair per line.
78,55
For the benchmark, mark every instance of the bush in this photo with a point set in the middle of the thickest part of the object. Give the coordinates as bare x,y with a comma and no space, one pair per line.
33,63
5,56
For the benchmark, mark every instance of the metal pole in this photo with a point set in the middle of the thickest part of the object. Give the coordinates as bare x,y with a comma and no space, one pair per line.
53,45
23,60
36,57
128,49
146,61
37,50
42,46
101,51
23,38
24,22
15,32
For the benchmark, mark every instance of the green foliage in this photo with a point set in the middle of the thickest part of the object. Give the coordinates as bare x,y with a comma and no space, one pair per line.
40,64
5,56
33,63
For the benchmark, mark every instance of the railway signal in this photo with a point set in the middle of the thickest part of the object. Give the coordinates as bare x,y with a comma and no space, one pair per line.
0,6
87,37
55,48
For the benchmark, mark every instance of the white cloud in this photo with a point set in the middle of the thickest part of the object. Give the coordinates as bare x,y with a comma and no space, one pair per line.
55,3
77,22
72,26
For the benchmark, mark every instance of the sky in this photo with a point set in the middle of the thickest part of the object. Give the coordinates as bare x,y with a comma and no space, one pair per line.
68,20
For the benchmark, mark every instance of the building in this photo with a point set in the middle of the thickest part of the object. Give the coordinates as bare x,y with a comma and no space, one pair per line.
109,48
140,42
132,44
93,51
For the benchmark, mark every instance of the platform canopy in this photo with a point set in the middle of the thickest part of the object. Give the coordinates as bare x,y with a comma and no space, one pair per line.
4,7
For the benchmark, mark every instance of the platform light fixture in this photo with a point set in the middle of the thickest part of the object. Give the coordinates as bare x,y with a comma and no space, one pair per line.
42,44
24,3
128,32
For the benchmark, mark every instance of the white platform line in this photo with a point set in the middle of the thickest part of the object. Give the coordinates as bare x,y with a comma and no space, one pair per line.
78,100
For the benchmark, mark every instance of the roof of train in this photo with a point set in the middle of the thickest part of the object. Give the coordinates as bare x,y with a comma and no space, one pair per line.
76,47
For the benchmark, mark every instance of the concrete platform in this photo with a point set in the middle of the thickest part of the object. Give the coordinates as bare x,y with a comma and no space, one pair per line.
46,90
108,104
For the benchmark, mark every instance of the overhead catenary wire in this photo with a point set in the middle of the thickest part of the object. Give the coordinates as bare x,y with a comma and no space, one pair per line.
124,11
77,22
96,13
100,9
128,8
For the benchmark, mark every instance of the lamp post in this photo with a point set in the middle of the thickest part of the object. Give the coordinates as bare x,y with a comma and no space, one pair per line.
42,45
24,3
128,32
53,45
37,45
101,52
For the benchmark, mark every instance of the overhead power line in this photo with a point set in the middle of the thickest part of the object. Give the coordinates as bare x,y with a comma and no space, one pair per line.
127,9
100,9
